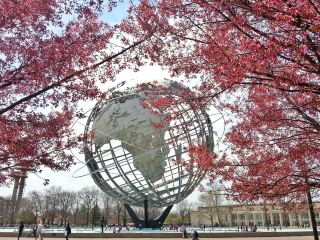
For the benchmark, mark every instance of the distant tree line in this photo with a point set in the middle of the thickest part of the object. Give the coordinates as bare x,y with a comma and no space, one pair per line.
57,206
91,207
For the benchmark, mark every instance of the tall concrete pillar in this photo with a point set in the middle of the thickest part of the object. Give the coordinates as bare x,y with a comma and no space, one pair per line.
290,219
229,218
20,192
14,199
19,176
281,218
271,218
254,218
263,219
246,218
300,220
15,189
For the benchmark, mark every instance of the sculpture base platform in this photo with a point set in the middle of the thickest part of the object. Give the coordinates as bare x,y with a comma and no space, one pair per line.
146,223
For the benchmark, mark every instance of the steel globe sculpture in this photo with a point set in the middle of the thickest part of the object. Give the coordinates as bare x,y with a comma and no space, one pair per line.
133,160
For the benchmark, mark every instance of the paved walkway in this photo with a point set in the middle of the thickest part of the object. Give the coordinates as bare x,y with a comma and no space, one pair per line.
246,238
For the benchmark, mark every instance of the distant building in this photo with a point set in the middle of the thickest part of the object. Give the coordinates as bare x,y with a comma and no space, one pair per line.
260,215
6,208
9,208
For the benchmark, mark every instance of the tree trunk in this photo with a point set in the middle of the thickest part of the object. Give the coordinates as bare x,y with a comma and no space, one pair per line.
218,217
43,219
106,219
75,216
94,217
87,222
312,216
119,215
125,217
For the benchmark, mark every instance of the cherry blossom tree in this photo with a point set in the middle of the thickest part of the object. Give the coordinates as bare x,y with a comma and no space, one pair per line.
260,61
52,55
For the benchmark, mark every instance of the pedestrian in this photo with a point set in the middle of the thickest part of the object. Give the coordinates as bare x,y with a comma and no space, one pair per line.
39,230
102,227
34,230
184,232
254,228
21,227
102,224
195,235
68,231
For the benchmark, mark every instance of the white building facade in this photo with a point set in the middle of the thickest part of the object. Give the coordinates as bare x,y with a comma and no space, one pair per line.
259,215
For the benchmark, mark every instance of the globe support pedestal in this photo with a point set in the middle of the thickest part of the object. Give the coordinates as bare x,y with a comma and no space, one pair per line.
146,223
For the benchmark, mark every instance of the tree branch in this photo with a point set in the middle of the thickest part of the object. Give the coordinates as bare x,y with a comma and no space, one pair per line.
66,79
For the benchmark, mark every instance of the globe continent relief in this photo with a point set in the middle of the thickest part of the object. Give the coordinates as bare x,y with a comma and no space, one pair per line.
130,123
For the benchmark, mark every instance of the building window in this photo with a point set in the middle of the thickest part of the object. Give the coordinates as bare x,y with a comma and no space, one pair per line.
250,216
259,219
285,220
242,219
304,215
276,219
234,220
305,219
295,219
317,218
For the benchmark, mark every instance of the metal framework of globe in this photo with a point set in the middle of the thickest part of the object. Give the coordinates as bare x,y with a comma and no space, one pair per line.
132,160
